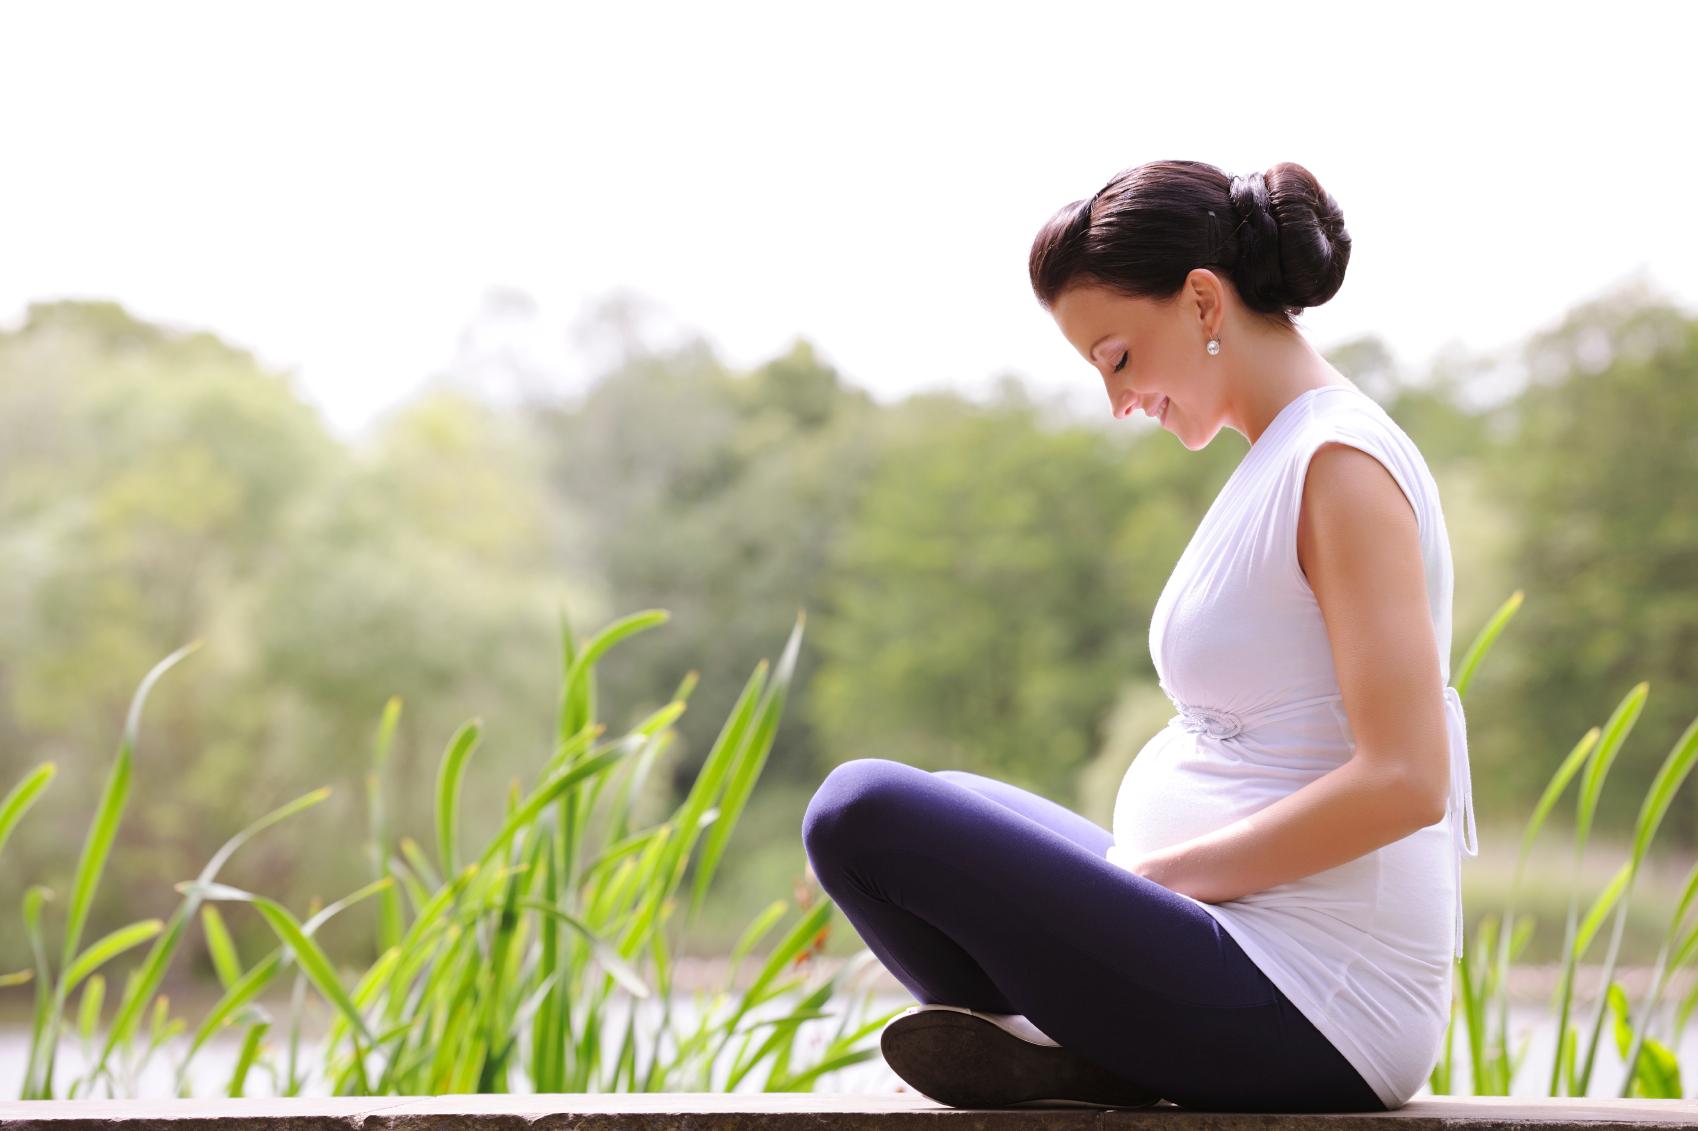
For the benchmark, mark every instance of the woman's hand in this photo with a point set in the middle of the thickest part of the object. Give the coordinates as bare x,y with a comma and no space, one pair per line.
1154,866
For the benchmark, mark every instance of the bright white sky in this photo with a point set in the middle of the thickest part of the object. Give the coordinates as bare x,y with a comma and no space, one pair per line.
338,185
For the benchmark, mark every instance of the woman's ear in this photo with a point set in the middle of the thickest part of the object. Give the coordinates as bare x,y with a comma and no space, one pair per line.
1207,295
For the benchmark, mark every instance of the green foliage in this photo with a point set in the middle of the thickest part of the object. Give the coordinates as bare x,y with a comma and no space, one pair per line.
156,486
979,610
515,953
753,479
1597,450
1482,989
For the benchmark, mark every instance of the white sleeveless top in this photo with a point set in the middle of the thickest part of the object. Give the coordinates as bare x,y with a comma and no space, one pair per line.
1365,950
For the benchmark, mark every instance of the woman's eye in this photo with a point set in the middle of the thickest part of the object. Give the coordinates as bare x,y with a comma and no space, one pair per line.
1121,364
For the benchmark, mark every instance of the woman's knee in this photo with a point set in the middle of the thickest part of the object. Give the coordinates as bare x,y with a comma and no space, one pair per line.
851,793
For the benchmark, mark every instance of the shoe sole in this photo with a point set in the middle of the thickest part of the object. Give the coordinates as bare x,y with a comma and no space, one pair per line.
960,1059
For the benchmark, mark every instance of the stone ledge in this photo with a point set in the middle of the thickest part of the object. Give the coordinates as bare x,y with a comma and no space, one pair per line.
797,1111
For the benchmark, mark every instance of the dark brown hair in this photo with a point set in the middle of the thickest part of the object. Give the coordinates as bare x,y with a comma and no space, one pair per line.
1279,237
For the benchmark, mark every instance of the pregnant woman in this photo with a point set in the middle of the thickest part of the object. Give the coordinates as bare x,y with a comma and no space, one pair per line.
1272,922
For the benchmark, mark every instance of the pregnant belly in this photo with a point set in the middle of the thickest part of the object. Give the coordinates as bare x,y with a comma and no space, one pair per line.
1179,787
1156,804
1183,785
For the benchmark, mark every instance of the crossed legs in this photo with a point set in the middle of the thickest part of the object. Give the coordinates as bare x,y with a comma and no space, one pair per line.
974,892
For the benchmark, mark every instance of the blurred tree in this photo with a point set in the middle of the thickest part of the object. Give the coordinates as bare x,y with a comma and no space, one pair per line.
148,472
423,572
981,617
158,486
142,472
717,497
1600,472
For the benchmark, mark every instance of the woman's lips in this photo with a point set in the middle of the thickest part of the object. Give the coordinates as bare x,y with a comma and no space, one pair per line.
1157,411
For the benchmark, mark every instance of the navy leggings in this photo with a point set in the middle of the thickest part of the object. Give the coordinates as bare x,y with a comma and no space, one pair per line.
977,893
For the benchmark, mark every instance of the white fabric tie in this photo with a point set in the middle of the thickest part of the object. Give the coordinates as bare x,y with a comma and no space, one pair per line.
1461,807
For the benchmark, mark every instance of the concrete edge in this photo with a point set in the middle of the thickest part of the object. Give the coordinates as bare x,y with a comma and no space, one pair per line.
798,1111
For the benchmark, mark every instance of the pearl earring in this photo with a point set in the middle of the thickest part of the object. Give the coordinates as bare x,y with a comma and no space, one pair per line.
1214,345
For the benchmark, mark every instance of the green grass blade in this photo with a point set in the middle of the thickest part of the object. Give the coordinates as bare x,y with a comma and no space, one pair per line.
353,897
39,1029
603,951
220,946
96,846
389,911
698,809
799,937
88,1014
1600,908
386,733
1668,780
110,810
1483,643
1554,790
229,847
1616,730
1670,775
803,1082
243,990
566,723
526,815
783,1031
577,686
22,796
749,768
141,985
245,1059
314,963
449,775
297,937
420,862
104,950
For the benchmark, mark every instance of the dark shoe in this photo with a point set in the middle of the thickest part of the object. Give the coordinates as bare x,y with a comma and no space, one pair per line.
967,1058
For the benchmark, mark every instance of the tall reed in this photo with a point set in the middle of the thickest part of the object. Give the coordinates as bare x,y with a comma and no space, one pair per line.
501,963
1651,1068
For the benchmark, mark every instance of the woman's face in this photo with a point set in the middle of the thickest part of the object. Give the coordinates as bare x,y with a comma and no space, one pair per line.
1149,354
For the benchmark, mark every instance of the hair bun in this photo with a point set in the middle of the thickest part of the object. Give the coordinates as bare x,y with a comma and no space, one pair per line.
1250,196
1293,246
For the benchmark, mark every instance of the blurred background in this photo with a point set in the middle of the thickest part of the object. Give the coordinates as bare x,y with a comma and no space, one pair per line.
364,341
